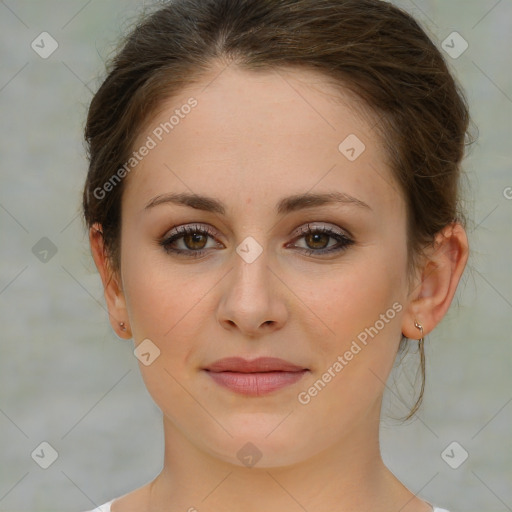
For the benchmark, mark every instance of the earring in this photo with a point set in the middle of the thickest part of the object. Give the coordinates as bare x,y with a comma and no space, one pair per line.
421,350
420,327
122,325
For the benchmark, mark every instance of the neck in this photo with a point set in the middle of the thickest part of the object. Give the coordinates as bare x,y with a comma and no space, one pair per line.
347,476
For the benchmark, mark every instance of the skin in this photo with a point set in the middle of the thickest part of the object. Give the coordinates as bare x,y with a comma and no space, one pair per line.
253,139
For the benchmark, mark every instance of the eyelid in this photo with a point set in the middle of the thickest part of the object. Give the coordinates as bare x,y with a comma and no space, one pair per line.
317,226
186,228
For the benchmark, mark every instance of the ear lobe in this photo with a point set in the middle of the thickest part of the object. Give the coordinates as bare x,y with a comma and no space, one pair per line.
444,264
113,292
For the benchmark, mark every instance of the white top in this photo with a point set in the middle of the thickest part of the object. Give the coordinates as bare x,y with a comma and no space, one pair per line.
106,508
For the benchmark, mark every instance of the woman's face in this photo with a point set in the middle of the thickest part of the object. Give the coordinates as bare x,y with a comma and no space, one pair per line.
257,284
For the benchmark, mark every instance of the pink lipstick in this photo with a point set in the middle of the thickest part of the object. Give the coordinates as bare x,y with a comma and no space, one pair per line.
257,377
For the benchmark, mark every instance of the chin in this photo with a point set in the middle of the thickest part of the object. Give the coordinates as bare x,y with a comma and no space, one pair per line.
265,445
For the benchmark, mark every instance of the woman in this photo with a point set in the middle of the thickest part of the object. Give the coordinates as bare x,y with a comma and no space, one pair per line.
273,208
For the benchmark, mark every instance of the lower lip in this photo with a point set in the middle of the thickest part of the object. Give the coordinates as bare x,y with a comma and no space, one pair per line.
255,384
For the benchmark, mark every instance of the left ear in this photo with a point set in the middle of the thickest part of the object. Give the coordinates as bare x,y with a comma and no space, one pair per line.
114,296
443,266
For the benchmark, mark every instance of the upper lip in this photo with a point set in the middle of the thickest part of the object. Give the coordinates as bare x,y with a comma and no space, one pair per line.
261,364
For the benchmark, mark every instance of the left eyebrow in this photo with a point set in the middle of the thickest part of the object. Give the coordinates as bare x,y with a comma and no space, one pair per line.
286,205
309,200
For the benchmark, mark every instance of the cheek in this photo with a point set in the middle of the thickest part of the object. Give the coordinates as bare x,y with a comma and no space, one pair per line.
163,302
360,301
168,304
354,297
165,307
157,292
361,306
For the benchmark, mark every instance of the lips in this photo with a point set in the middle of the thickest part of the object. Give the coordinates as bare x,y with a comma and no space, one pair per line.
262,364
257,377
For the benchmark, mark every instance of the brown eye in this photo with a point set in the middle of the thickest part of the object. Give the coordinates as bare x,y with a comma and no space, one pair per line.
192,239
317,240
195,241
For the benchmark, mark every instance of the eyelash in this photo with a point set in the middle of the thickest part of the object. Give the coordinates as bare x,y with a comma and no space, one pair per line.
344,241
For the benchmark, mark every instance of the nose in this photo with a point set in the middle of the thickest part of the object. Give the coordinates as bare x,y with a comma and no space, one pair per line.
253,298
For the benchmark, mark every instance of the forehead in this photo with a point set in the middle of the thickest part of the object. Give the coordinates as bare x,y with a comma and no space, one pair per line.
258,135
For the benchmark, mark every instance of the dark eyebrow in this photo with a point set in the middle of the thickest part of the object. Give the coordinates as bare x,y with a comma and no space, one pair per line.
308,200
285,205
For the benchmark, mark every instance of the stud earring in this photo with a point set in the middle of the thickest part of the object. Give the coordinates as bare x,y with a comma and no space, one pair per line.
420,327
122,325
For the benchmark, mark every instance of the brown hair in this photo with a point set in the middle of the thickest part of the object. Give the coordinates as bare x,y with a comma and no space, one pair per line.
368,47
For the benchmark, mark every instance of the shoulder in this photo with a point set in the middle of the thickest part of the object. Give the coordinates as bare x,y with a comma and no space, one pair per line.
135,500
102,508
106,508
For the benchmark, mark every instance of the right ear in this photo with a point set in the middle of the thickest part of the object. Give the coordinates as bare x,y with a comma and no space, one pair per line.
113,292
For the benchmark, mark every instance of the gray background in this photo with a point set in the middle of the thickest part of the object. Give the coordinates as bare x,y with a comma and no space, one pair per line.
67,379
